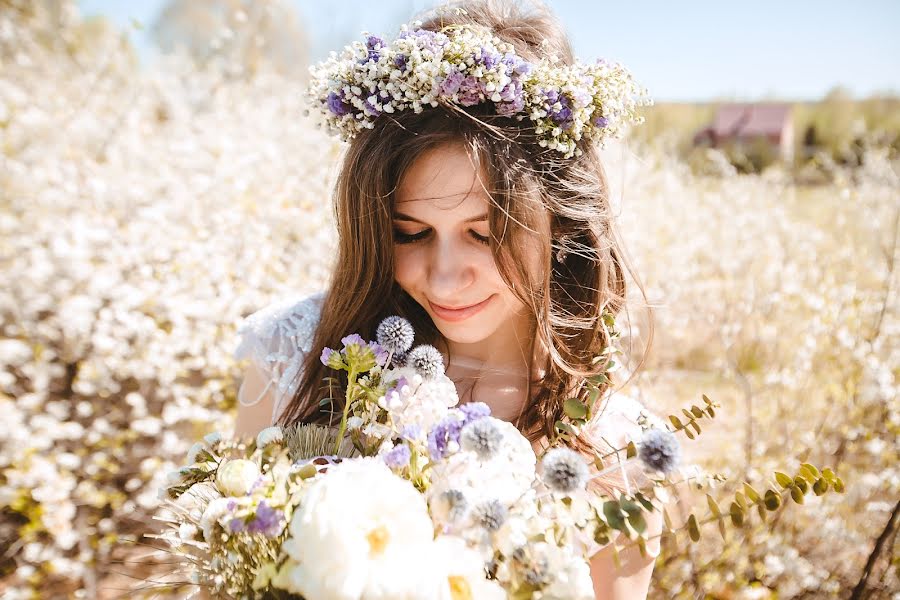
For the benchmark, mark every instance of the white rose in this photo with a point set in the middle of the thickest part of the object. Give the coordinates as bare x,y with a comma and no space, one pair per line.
236,477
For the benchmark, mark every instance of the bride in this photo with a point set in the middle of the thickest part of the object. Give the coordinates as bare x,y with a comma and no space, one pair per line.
499,251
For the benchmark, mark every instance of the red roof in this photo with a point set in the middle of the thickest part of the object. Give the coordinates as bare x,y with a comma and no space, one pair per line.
750,120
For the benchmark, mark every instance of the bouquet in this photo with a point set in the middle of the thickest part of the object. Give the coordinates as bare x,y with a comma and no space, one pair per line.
411,496
414,495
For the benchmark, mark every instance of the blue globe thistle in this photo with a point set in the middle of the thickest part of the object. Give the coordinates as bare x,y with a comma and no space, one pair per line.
482,437
659,450
491,515
395,334
426,360
455,503
564,470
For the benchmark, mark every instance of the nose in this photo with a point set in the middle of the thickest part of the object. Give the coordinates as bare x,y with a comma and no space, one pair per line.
450,271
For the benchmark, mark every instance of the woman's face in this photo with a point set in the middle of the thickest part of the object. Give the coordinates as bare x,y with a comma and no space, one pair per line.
442,256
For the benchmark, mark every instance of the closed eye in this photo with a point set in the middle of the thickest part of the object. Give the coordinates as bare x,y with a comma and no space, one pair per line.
408,238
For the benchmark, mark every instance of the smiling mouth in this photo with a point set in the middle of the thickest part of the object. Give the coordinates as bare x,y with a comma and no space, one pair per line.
458,314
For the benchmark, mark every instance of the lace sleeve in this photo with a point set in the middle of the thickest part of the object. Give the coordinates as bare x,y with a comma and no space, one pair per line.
276,338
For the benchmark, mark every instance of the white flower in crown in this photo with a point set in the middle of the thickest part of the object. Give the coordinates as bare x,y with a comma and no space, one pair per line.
465,65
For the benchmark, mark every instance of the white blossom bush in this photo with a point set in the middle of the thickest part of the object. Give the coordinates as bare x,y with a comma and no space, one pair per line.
144,212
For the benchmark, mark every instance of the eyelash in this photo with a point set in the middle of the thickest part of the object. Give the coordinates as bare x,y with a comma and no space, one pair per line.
409,238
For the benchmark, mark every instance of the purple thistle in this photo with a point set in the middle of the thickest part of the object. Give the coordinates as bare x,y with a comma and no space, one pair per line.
267,520
336,105
326,354
474,411
381,355
353,338
411,432
441,435
236,525
398,457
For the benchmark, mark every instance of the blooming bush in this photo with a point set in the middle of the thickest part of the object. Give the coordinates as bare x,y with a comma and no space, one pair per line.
144,212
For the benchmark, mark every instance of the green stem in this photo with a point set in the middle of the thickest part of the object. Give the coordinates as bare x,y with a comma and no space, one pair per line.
351,380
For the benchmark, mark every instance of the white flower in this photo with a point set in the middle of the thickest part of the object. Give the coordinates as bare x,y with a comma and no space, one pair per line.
508,474
269,435
236,477
459,572
195,450
343,547
213,438
214,511
421,402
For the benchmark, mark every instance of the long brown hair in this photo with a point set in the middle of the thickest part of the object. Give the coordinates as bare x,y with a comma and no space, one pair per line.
531,188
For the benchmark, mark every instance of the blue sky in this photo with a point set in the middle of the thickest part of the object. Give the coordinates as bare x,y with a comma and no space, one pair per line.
681,51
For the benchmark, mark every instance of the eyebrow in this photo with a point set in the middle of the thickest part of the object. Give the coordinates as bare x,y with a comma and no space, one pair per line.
404,217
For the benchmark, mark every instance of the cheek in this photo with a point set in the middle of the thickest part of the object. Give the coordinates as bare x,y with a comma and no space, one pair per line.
408,266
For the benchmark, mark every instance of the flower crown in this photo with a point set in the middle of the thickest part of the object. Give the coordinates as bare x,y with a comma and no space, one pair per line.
465,65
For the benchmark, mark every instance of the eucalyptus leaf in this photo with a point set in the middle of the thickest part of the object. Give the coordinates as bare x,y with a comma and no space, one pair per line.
693,528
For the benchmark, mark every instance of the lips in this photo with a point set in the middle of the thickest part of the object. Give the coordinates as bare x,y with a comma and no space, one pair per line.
447,313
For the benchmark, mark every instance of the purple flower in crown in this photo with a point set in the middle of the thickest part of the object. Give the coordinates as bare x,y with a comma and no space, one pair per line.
600,121
513,99
489,59
400,62
336,105
266,521
236,525
470,91
451,83
373,43
371,108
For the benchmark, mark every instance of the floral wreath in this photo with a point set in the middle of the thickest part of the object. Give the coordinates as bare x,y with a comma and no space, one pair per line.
465,65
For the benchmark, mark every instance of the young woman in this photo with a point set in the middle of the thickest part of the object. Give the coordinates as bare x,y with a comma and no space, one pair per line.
499,249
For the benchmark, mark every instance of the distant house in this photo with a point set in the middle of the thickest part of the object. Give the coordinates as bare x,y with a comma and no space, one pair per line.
744,124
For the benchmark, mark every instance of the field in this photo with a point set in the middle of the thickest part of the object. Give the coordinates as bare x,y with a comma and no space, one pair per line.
144,213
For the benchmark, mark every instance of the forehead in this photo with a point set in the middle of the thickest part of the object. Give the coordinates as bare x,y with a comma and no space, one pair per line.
445,176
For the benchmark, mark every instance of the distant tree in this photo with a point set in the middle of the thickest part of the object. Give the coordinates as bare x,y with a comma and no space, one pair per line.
247,33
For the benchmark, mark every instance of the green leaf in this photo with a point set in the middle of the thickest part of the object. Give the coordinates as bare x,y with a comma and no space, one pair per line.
838,484
820,486
675,421
742,502
713,507
737,514
637,521
761,509
801,484
688,433
751,493
630,450
783,479
687,414
772,500
797,495
667,520
697,411
614,515
693,528
829,475
563,426
711,412
696,426
574,408
645,502
811,469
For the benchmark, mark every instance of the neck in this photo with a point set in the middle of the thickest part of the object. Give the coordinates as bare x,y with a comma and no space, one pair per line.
508,350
